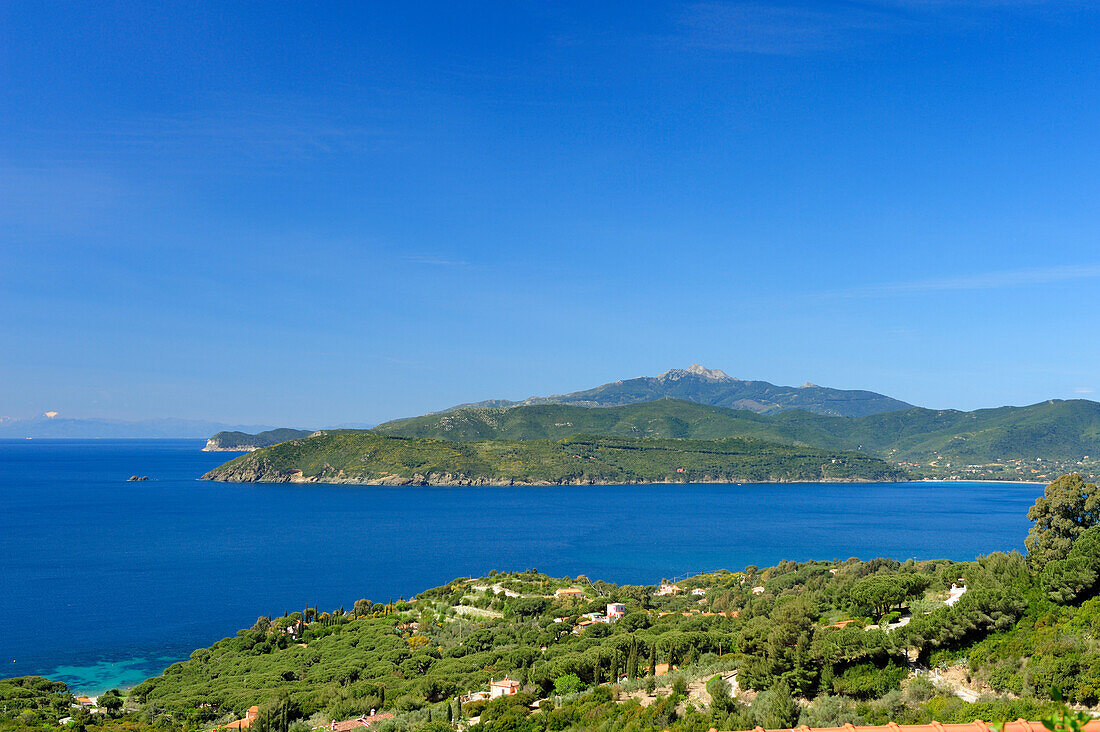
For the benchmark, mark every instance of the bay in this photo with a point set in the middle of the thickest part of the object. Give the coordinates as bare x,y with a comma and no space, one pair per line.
105,582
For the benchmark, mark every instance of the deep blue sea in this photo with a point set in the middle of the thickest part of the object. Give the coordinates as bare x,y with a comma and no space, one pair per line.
104,582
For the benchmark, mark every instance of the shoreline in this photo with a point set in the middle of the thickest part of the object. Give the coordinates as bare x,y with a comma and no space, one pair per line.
507,483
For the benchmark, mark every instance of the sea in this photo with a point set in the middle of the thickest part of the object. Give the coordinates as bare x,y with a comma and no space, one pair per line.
105,582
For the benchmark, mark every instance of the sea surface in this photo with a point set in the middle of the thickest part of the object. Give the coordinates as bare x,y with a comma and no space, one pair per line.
105,582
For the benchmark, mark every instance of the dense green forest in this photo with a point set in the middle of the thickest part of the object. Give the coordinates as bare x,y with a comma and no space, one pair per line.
820,643
231,441
923,439
366,457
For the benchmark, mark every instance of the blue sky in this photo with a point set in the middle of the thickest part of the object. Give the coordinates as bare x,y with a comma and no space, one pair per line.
307,216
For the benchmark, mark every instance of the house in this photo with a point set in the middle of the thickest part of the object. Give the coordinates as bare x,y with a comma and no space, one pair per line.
666,589
360,722
249,718
85,701
503,687
568,592
615,610
699,592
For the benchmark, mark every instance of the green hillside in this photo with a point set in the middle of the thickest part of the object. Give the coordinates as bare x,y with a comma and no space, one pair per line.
715,387
365,457
237,441
1062,431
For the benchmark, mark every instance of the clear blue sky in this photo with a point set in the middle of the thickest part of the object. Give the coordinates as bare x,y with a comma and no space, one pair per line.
274,213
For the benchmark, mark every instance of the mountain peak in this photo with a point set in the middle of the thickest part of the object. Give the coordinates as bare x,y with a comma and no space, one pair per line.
696,370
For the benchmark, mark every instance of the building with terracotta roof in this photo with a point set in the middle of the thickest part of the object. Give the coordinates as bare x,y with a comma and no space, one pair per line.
1020,725
360,722
568,592
249,717
503,687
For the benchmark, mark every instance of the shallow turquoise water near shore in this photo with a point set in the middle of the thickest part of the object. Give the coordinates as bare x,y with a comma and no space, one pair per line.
113,581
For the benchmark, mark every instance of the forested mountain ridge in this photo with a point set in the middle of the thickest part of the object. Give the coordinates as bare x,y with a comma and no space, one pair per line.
1056,430
715,387
371,458
243,441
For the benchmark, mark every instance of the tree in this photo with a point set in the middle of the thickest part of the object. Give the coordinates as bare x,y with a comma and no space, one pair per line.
1067,579
110,702
776,708
879,592
568,684
721,699
632,659
1066,509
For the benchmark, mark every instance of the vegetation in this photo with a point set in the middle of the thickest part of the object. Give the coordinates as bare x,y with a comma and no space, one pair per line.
366,457
712,387
1018,442
821,643
233,441
1068,508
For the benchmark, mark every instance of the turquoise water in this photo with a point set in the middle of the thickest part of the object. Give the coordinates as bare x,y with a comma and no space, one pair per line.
112,581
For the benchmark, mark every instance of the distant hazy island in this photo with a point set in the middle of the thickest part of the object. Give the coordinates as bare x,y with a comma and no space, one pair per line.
373,459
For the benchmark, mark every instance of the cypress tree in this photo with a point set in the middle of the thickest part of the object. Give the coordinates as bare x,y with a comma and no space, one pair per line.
632,659
652,659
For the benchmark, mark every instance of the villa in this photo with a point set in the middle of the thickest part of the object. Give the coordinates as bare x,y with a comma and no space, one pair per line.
503,687
568,592
249,718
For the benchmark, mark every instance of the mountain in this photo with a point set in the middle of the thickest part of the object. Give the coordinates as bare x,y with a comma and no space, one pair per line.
373,459
65,427
1064,431
244,442
716,388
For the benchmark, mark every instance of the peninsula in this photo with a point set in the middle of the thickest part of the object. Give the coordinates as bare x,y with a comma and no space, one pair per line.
373,459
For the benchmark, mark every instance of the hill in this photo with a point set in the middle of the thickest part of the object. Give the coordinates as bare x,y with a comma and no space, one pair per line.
245,442
716,388
370,458
1053,431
